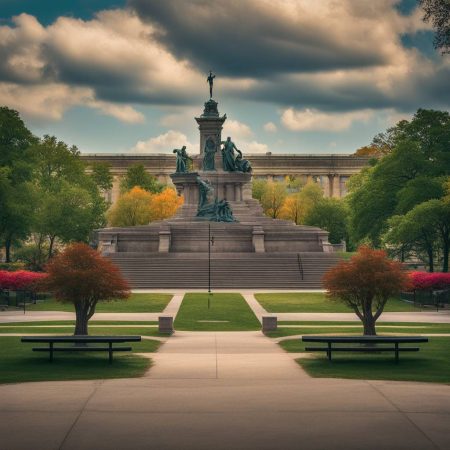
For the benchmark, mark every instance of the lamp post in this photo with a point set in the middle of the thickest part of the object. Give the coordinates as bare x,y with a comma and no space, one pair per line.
210,243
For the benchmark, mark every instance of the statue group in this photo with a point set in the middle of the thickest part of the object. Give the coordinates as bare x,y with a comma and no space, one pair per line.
232,162
209,207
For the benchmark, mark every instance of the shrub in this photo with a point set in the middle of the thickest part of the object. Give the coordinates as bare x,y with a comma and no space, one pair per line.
425,280
21,280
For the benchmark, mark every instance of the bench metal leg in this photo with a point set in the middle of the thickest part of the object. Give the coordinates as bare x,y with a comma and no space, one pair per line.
329,351
110,353
396,353
51,351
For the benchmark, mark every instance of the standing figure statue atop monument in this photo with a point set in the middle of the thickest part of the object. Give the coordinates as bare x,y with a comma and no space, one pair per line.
229,164
182,159
210,80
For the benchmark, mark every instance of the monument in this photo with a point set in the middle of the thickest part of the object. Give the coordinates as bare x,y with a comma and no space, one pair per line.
248,249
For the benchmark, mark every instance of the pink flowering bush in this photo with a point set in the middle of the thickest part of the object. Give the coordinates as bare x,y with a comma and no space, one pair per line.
21,280
426,281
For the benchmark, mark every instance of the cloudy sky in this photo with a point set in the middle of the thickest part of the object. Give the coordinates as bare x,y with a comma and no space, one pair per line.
299,76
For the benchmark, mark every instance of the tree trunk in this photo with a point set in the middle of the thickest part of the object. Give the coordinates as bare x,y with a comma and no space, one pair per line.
81,324
446,250
369,326
8,249
50,248
430,260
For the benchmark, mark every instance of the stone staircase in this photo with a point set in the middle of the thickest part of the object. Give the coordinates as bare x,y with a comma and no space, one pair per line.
228,270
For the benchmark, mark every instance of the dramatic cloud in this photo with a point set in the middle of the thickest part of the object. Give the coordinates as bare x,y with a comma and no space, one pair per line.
325,56
311,120
163,143
236,129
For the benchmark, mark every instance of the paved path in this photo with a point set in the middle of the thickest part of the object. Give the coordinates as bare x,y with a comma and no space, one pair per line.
224,391
421,316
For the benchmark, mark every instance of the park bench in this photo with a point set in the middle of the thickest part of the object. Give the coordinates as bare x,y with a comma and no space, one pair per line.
110,340
364,340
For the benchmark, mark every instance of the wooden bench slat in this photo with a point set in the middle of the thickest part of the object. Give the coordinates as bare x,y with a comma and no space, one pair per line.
362,349
80,349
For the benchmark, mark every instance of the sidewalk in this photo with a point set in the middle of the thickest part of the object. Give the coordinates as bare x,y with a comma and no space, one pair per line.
235,390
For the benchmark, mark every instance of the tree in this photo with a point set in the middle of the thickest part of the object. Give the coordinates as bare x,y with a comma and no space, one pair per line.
16,199
438,12
410,174
139,207
365,283
137,176
101,174
273,198
165,204
330,214
80,275
69,202
297,205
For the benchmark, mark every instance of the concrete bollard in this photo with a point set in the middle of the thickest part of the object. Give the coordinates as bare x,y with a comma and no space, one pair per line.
269,323
165,324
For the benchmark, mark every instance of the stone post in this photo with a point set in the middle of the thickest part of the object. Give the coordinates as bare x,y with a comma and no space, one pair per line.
164,239
165,324
269,323
258,239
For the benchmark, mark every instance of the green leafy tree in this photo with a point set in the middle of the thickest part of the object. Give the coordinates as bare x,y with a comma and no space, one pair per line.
16,199
438,13
70,204
137,176
273,198
331,215
410,174
101,174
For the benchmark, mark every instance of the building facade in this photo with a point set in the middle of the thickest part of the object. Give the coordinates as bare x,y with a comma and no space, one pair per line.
330,171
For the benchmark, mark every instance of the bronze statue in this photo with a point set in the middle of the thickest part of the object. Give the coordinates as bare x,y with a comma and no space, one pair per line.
209,207
209,154
182,160
210,80
228,155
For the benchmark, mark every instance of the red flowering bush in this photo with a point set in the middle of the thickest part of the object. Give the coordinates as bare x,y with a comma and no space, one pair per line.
20,280
424,280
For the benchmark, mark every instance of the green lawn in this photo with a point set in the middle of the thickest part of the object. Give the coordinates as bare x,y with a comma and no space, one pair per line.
431,363
94,330
20,363
317,302
227,312
356,328
136,303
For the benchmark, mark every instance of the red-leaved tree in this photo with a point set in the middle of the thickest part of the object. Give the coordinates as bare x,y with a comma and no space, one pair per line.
80,275
365,283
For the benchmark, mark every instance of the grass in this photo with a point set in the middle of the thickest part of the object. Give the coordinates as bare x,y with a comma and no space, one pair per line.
231,310
145,303
317,302
20,364
430,364
356,328
93,330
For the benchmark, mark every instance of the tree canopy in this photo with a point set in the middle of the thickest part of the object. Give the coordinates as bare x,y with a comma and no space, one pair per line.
365,283
80,275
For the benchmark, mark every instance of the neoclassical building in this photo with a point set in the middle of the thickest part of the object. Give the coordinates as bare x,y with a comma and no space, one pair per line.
331,171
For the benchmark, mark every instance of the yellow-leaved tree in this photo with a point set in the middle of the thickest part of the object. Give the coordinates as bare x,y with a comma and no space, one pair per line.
140,207
297,206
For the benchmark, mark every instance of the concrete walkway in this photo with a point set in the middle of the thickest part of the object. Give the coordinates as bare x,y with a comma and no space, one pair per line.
224,391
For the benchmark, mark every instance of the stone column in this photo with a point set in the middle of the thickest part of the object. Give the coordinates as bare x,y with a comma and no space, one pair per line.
336,186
